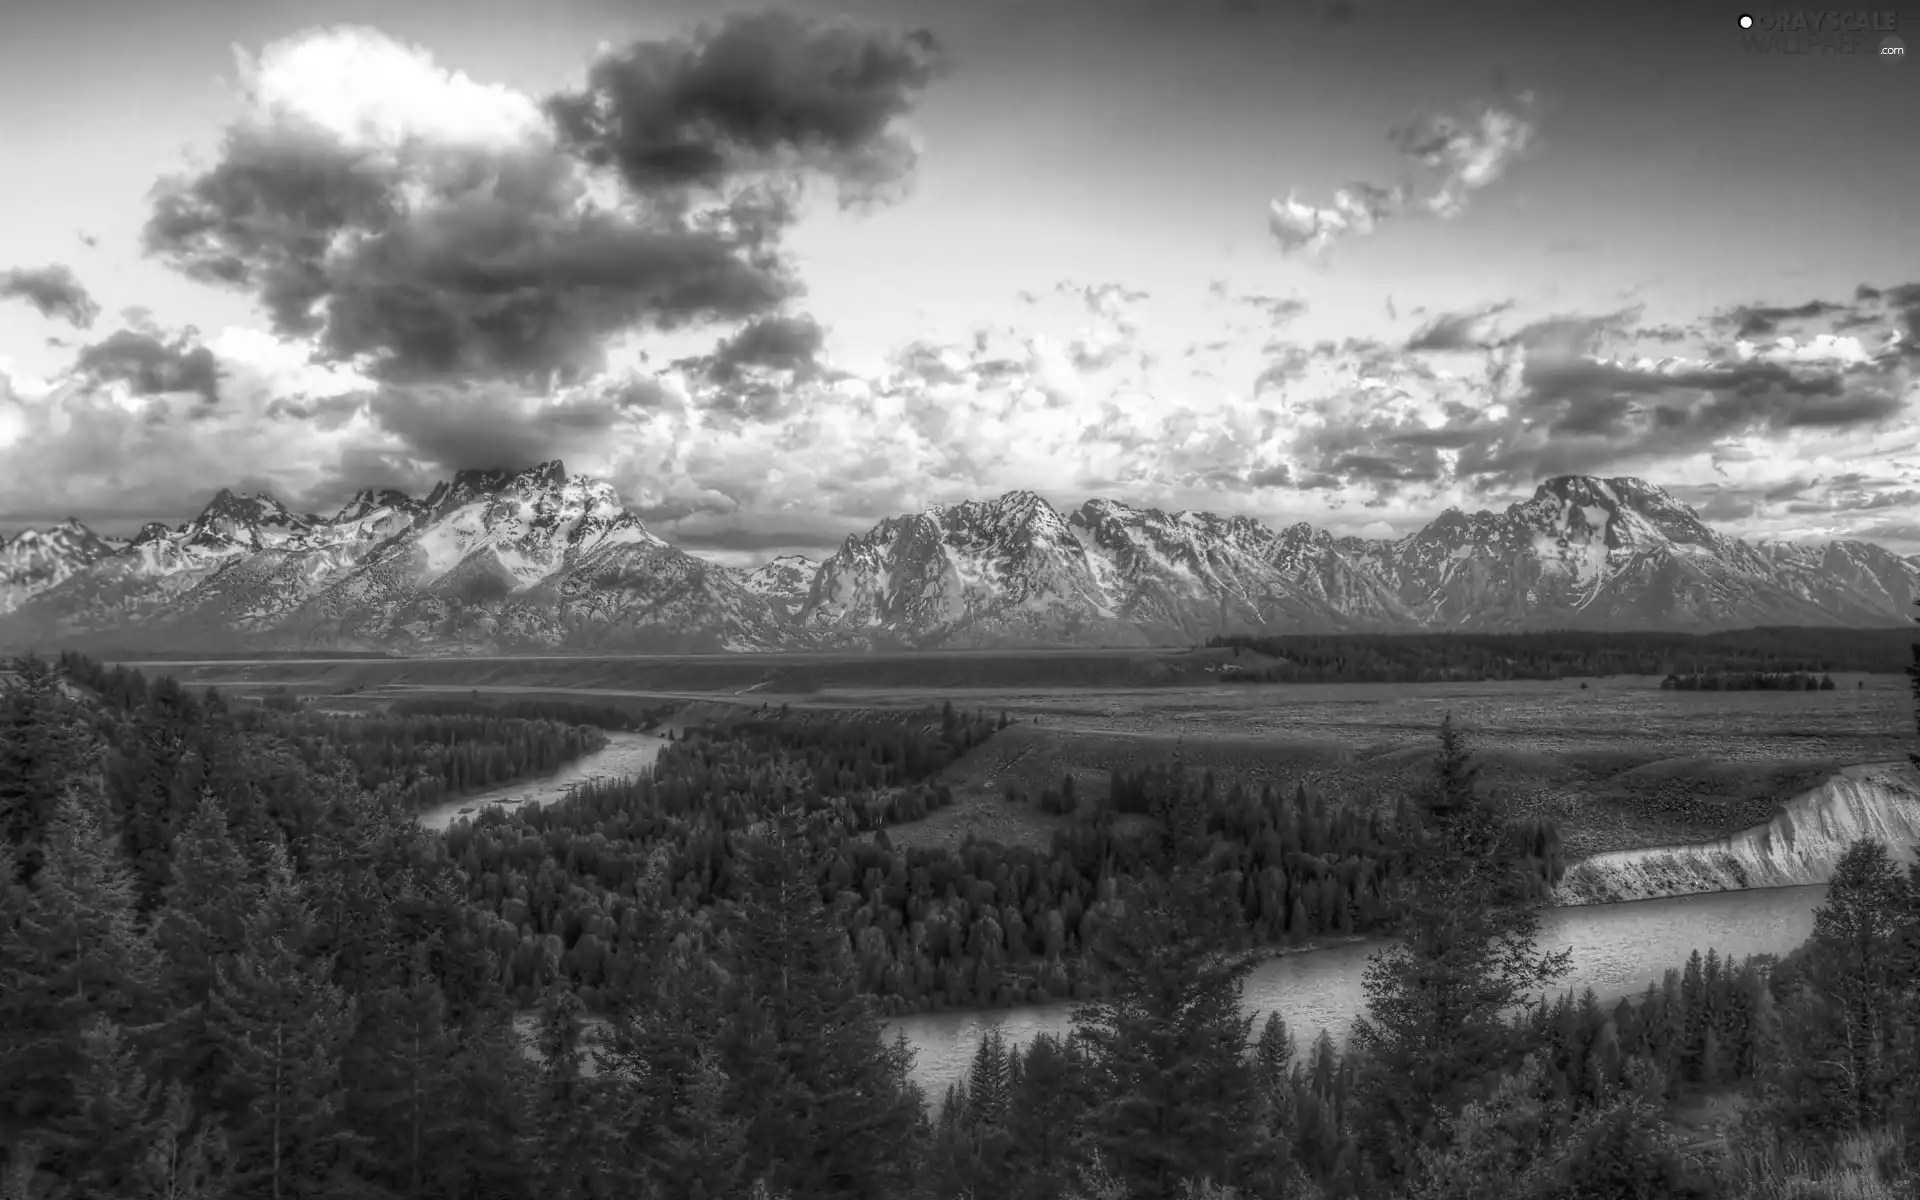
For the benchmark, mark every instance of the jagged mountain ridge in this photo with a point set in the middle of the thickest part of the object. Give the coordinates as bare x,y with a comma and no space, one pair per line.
537,559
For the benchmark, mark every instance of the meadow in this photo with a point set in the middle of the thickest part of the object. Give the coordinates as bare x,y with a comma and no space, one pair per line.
1617,761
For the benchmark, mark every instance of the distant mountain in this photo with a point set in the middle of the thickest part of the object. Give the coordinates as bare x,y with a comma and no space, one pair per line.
489,560
785,581
537,559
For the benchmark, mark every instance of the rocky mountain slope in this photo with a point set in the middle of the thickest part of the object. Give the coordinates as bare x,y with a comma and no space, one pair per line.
538,559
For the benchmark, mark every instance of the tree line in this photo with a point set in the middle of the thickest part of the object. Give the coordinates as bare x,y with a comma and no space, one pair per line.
1462,657
1749,681
927,928
610,717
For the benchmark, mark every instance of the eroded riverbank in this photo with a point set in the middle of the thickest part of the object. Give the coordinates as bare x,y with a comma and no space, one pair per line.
1801,844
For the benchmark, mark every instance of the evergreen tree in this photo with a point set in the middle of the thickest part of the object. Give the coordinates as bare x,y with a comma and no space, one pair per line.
676,1135
282,1024
1177,1097
400,1086
1867,903
71,951
575,1144
826,1102
1467,955
1045,1100
44,744
989,1082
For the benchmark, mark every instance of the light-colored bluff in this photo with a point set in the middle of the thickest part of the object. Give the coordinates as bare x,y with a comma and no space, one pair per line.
1802,844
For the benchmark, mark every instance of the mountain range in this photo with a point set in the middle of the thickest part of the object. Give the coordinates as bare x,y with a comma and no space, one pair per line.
499,562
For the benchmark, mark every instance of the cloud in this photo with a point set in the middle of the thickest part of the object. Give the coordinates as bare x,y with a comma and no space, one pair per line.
1357,209
54,290
1457,331
788,343
1278,310
1456,156
427,227
1446,158
131,436
1751,321
763,91
152,366
452,426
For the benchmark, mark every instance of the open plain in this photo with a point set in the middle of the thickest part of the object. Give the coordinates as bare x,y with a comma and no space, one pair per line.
1616,761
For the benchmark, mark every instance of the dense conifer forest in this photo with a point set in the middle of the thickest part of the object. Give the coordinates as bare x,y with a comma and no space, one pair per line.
233,966
1562,654
1750,681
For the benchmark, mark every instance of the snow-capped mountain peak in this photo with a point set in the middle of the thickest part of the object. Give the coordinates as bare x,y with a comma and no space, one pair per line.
539,558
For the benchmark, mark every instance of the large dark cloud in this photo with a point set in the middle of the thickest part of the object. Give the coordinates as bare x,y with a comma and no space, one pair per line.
489,426
768,89
54,290
1580,415
441,262
152,366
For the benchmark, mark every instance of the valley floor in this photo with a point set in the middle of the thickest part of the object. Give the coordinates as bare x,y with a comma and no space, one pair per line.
1620,764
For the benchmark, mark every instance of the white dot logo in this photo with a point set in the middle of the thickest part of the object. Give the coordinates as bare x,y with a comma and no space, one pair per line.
1746,22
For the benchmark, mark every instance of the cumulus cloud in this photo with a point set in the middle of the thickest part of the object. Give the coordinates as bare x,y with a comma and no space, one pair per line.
784,450
54,290
430,228
1527,397
1358,209
763,91
1445,159
151,365
789,343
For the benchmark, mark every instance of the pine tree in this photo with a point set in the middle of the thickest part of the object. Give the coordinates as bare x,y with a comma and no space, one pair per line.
71,950
1177,1098
665,1077
1867,903
989,1081
575,1140
398,1066
1041,1111
826,1102
1467,955
43,745
114,1121
185,1153
282,1024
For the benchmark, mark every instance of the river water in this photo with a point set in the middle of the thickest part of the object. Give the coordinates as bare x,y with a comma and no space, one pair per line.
625,754
1617,950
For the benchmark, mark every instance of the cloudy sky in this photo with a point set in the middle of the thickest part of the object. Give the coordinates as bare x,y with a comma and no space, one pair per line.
778,272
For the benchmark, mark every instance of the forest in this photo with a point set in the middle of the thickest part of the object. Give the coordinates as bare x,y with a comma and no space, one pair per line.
232,965
1561,654
1750,681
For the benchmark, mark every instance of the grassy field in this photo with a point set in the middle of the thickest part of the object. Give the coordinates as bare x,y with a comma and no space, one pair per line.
1619,763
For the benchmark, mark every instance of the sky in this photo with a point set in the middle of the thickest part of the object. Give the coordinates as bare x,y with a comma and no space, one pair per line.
781,271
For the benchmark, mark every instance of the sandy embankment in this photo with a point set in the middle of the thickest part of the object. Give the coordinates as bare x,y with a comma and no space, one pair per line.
1801,845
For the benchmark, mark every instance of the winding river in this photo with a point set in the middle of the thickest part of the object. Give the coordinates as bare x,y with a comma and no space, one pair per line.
1617,948
624,754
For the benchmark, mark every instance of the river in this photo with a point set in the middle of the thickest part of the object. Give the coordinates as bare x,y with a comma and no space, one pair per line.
625,754
1617,950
